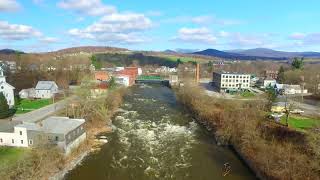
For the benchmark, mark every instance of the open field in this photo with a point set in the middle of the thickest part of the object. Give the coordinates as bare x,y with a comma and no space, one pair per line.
301,123
27,105
9,155
185,59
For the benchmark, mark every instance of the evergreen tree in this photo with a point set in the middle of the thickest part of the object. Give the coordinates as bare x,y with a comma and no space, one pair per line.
297,63
281,77
4,107
95,62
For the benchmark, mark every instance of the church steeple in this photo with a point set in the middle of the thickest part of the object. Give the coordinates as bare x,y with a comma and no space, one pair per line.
2,77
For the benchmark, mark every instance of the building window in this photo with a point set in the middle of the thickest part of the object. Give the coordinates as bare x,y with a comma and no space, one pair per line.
12,141
21,141
1,141
57,138
20,133
30,141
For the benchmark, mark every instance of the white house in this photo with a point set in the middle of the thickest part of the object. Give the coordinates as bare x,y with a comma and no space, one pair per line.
123,80
269,83
46,89
6,89
66,133
27,93
287,89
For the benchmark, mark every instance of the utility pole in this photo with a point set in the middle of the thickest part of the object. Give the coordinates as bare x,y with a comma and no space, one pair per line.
302,88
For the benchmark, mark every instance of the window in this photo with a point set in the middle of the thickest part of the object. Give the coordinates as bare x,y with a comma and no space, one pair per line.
1,140
21,141
57,138
30,141
12,141
20,133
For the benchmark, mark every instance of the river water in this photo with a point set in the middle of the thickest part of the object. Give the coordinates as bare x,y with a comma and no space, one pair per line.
156,139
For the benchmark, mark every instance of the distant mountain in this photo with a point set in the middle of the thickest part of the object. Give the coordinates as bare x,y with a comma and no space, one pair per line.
186,51
270,53
168,51
89,49
217,53
9,51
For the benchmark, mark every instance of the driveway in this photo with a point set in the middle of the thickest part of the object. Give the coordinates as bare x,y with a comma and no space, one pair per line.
39,114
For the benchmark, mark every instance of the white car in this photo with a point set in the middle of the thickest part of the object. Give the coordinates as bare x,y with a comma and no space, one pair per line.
297,111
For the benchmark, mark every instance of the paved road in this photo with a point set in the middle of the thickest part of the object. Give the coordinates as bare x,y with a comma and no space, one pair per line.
308,109
39,114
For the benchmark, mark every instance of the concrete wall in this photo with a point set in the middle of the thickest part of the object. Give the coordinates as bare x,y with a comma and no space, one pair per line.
75,143
17,138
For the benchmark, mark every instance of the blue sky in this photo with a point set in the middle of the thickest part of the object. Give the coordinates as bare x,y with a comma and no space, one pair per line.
45,25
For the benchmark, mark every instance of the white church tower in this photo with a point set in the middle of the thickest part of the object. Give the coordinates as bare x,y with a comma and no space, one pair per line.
6,89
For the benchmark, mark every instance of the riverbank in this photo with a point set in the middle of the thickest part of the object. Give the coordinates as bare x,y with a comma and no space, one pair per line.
48,162
272,151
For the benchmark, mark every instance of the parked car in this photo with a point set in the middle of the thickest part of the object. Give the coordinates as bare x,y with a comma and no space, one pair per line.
297,111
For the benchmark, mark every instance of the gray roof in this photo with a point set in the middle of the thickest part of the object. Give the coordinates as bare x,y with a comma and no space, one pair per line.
60,125
30,126
55,125
45,85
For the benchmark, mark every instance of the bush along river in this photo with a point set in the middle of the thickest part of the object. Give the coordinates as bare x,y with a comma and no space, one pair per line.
154,138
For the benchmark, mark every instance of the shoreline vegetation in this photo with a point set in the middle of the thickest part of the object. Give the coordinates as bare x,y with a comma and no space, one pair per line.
48,162
272,151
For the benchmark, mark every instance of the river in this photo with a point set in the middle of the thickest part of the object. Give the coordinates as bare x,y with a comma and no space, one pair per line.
155,138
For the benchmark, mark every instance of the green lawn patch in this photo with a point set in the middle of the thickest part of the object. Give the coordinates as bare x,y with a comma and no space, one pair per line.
10,155
301,123
247,94
144,77
27,105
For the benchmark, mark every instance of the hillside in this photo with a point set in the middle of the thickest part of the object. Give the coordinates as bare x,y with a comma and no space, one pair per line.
232,55
88,49
10,51
264,52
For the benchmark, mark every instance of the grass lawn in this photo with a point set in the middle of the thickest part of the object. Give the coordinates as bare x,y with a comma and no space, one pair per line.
9,155
247,94
27,105
301,123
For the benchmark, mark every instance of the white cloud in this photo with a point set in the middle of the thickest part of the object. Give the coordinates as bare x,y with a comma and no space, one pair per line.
49,40
297,36
88,7
195,35
17,31
244,40
203,20
8,5
116,27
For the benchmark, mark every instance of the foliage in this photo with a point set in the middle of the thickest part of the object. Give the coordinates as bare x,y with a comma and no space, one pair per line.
117,59
275,155
297,63
4,107
179,61
10,155
247,94
112,83
281,76
95,62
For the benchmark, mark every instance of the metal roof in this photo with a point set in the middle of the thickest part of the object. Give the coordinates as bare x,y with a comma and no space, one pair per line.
45,85
60,125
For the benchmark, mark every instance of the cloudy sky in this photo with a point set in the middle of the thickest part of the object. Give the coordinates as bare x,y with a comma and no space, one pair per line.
45,25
